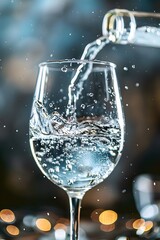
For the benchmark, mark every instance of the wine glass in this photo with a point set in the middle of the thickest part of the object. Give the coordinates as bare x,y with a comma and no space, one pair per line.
76,127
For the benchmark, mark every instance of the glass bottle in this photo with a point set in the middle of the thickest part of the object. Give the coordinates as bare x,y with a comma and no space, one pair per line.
131,27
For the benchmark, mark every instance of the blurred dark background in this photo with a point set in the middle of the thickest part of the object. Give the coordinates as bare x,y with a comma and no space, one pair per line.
33,31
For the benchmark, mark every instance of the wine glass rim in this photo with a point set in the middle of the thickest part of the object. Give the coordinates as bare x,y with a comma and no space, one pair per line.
80,61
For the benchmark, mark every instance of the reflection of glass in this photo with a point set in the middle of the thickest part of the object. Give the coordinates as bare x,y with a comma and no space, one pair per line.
124,27
146,190
76,151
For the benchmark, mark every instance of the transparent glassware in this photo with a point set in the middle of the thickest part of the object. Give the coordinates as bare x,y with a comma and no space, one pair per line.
76,127
131,27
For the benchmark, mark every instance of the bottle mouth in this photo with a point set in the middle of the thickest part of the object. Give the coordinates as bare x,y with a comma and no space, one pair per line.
119,25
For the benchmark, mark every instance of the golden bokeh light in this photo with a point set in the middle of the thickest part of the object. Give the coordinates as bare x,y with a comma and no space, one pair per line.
43,224
148,225
107,228
129,224
7,215
108,217
138,223
95,214
12,230
64,221
60,226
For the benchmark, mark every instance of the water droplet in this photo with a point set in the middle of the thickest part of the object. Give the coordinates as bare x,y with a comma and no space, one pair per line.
51,170
57,168
51,105
133,66
16,130
64,69
154,184
83,106
137,84
126,87
90,94
44,165
124,191
125,69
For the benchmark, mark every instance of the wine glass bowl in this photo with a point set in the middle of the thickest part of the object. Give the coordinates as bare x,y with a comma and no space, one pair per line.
76,125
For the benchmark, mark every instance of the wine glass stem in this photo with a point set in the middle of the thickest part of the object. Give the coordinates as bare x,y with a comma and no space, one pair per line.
75,205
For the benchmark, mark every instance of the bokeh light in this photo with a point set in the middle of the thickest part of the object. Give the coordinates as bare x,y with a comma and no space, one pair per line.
148,225
95,214
129,224
60,234
7,215
107,228
60,226
108,217
43,224
12,230
138,223
142,226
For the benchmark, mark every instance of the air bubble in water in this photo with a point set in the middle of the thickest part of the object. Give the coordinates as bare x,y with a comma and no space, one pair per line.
126,87
137,84
133,66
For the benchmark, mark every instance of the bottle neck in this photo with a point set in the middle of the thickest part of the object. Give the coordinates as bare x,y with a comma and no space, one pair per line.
119,25
123,26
